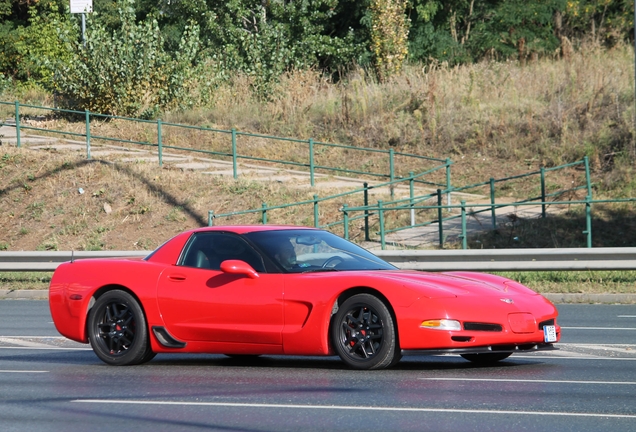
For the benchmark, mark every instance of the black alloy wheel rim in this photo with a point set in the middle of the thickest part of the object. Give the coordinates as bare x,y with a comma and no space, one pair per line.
116,328
362,332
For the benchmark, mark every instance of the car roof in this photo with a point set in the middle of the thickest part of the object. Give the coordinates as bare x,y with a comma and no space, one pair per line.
243,229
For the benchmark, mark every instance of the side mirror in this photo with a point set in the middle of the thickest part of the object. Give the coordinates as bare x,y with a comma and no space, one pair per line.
238,267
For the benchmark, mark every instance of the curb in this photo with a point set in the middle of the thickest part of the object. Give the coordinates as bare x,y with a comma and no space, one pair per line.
557,298
24,294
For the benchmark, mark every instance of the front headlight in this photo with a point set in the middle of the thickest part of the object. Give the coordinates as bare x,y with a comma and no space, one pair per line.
442,324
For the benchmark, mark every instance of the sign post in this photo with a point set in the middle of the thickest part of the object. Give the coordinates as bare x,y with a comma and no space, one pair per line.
82,7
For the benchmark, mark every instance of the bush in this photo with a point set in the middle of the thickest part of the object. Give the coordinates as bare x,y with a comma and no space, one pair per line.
126,72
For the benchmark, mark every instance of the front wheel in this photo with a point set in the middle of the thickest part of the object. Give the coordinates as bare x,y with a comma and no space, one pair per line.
486,358
117,330
363,333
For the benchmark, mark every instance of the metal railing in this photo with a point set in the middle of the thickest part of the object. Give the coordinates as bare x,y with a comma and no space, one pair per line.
315,203
228,148
430,260
380,210
413,204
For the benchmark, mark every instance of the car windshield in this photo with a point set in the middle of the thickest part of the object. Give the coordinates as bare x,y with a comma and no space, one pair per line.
298,251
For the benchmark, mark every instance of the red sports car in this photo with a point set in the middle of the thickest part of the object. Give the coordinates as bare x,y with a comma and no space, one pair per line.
258,290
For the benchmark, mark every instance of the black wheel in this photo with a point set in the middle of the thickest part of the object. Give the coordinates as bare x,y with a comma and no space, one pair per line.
332,262
117,330
363,333
487,358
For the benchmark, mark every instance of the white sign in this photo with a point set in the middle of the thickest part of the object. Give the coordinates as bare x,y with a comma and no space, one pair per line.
81,6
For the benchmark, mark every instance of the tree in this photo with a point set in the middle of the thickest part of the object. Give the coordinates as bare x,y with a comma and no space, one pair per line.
389,36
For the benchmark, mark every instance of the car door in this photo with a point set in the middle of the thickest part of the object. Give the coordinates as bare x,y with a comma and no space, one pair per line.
199,302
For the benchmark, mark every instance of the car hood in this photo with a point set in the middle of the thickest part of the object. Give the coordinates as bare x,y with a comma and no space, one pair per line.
458,284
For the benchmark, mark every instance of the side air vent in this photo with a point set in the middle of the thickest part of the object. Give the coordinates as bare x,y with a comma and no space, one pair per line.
482,327
166,338
546,323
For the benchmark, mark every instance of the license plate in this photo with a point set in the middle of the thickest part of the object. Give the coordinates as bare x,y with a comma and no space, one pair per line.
549,333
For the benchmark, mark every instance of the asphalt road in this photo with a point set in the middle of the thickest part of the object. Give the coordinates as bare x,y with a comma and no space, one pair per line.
50,384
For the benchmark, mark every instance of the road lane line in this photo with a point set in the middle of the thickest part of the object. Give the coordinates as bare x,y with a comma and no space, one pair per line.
599,328
46,348
530,381
33,337
626,316
23,371
594,345
354,408
21,342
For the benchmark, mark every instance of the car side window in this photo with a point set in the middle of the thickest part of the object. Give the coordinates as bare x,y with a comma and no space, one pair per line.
209,250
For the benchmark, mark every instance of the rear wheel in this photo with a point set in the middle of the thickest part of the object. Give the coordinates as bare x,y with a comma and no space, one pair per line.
363,333
117,330
487,358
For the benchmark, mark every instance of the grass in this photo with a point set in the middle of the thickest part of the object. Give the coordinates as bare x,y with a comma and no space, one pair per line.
25,280
589,282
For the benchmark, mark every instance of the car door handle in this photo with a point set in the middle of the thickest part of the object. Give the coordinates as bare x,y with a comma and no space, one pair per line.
177,278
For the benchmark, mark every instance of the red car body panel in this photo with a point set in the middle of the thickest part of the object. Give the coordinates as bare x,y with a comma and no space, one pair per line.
215,311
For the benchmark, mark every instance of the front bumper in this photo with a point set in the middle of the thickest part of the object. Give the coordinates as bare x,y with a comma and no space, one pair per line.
491,349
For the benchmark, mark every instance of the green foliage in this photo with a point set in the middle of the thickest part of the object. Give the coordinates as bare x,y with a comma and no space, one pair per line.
461,31
516,28
29,41
127,71
4,83
265,41
603,21
261,39
155,44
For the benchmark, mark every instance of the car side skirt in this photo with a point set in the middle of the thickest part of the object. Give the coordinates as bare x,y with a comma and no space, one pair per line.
166,339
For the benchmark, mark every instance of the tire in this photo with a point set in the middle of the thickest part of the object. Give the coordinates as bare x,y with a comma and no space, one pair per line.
486,359
363,333
117,330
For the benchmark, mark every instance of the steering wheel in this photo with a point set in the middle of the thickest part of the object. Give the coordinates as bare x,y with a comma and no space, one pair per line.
332,262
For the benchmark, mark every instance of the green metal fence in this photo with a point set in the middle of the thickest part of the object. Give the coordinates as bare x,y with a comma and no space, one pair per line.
548,195
232,145
361,193
487,188
464,214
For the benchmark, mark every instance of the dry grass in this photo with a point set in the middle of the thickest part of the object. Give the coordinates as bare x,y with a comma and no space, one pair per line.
62,201
492,119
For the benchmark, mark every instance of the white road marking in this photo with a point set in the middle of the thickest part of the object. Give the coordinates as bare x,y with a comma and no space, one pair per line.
47,348
530,381
595,345
599,328
21,342
34,337
354,408
23,371
626,316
